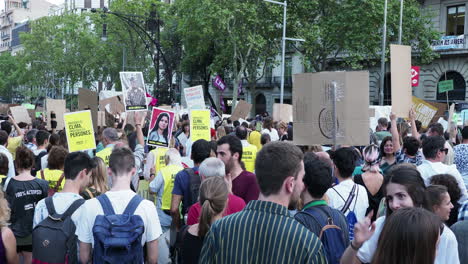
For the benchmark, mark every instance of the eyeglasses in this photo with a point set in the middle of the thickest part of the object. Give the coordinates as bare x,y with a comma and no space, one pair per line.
444,150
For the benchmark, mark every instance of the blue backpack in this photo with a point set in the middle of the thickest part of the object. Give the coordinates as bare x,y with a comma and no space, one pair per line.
351,217
117,238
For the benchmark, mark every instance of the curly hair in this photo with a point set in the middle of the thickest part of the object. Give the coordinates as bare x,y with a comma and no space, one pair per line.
450,182
24,158
5,211
56,158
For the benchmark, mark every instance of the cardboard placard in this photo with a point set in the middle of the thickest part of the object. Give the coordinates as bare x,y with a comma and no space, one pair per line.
283,112
424,111
20,114
88,100
114,105
160,129
242,110
400,65
450,116
200,125
194,97
378,112
59,107
313,108
101,118
80,131
441,108
134,91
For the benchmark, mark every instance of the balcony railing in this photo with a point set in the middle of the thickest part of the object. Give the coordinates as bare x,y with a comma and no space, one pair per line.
5,37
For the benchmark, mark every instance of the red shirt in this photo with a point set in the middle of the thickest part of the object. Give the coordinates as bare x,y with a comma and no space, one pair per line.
235,204
246,187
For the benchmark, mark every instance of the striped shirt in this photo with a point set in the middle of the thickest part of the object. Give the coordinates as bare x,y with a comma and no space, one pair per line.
263,232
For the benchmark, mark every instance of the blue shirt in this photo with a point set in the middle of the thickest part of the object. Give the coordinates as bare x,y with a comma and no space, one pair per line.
182,187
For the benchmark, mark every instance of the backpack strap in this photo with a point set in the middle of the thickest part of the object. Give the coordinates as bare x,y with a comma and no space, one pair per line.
132,205
73,207
106,204
349,200
42,175
91,195
50,206
59,182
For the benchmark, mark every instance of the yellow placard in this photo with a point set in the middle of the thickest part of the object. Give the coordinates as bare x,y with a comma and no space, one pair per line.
424,111
80,131
200,125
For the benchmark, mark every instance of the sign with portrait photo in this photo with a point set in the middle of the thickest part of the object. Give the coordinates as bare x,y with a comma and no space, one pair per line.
160,130
134,91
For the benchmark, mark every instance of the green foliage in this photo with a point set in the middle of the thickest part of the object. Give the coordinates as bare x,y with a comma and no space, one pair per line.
11,73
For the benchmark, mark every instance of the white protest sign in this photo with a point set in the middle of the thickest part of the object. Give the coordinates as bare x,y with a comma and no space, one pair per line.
194,97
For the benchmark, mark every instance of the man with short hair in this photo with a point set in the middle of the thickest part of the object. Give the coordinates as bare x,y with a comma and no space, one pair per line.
77,173
249,152
382,129
4,150
109,139
121,168
214,167
31,143
42,139
264,232
244,183
436,129
187,182
434,151
409,153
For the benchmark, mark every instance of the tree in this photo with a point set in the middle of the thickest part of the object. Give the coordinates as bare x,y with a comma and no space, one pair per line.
11,73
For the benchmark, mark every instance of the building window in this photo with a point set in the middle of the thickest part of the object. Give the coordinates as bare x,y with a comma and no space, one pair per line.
455,20
459,87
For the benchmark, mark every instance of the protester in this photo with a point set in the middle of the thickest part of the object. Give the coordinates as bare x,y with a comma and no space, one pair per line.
439,201
249,152
382,129
98,183
403,188
13,141
410,235
409,153
187,182
23,192
435,152
31,139
387,154
460,229
254,136
214,167
109,138
265,139
213,197
453,190
3,168
184,136
244,184
247,235
461,154
283,131
347,192
268,128
53,174
436,129
54,140
4,150
42,139
371,179
122,167
8,241
316,215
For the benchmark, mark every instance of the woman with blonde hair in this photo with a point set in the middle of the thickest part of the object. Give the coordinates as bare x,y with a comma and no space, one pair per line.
371,178
213,198
283,130
8,240
98,181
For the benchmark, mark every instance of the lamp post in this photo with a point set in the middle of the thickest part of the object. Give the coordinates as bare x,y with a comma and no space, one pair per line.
400,27
283,44
382,62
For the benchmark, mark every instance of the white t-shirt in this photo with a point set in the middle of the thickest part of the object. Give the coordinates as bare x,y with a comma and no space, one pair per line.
447,250
61,202
429,169
273,134
359,204
119,201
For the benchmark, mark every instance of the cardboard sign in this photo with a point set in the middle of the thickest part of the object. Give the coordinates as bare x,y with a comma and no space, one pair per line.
88,99
424,111
59,107
445,86
313,108
400,64
200,125
194,97
79,130
160,129
20,114
101,118
378,111
134,91
242,110
4,108
283,112
450,116
113,105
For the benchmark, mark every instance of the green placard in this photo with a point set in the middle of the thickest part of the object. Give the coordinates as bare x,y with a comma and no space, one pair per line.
445,86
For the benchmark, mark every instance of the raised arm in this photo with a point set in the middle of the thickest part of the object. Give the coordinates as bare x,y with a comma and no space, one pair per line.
394,131
414,130
19,132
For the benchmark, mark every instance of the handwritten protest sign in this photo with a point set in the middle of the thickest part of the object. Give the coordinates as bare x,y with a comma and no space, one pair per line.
424,111
79,130
242,110
194,97
400,64
200,125
20,114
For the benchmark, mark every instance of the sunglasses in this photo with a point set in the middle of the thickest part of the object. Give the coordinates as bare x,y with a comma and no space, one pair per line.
444,150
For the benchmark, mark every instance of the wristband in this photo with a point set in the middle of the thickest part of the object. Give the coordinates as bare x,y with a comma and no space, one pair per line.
353,246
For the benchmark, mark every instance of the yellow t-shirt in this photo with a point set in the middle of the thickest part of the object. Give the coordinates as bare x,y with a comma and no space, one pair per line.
52,176
13,144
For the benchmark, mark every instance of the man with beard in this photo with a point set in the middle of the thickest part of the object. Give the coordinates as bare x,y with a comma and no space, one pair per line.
244,184
264,232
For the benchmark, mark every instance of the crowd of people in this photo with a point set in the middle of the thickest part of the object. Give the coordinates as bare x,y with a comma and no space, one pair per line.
249,195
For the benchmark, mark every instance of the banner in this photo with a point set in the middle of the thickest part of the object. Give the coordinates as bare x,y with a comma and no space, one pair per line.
160,129
134,91
219,83
400,64
194,97
79,130
313,108
424,111
242,110
200,125
449,42
222,105
415,75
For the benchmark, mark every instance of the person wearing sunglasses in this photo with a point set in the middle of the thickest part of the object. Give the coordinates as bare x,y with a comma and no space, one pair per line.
435,152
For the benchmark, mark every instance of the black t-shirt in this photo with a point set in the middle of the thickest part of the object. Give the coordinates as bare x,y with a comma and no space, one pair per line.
22,196
191,248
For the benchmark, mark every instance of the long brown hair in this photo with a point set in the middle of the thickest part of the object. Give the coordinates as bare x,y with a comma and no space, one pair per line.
99,176
409,236
213,198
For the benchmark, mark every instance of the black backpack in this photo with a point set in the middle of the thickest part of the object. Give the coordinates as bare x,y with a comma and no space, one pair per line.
195,182
37,163
54,239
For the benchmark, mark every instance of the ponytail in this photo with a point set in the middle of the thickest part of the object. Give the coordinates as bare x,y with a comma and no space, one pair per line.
213,198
